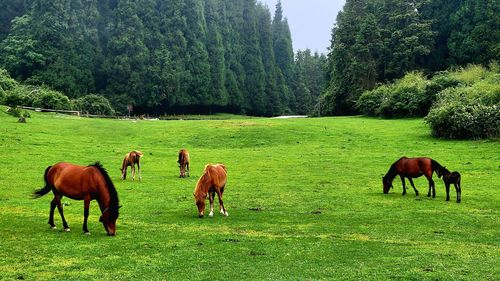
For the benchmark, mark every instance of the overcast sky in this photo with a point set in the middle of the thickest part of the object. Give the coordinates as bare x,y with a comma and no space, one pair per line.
310,21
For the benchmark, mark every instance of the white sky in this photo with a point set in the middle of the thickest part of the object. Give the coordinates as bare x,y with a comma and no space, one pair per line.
310,21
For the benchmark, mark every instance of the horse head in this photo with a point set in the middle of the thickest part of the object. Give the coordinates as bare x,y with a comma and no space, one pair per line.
200,203
387,184
108,220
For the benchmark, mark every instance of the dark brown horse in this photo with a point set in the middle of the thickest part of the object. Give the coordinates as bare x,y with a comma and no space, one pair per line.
131,159
451,178
183,163
81,183
412,168
213,180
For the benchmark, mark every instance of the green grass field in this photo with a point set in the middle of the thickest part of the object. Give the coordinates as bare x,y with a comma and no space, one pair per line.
304,198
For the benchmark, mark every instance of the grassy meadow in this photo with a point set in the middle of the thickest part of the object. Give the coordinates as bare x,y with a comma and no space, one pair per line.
304,198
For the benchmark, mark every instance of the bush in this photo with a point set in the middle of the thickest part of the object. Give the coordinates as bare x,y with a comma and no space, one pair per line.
6,82
466,112
369,102
50,99
94,104
406,97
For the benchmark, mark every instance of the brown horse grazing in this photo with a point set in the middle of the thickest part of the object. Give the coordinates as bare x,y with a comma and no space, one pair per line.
451,178
131,159
213,180
412,168
81,183
183,163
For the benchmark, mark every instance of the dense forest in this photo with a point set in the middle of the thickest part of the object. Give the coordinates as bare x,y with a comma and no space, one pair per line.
207,56
378,41
176,56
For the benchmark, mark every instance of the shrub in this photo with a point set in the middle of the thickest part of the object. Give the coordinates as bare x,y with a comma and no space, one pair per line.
406,97
369,102
466,112
51,100
470,74
94,104
6,82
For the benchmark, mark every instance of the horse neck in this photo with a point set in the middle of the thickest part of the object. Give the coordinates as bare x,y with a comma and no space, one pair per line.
391,174
201,189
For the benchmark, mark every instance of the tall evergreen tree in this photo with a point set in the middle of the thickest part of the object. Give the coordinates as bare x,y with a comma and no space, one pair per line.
127,56
283,54
475,32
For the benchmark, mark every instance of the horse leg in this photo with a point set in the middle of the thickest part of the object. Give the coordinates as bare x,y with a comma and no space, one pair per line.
139,170
211,196
187,167
86,207
124,173
447,186
403,181
132,170
61,212
222,209
459,191
53,205
412,185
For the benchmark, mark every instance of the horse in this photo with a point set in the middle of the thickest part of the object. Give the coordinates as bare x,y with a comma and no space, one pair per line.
213,180
183,163
81,183
451,178
131,159
412,168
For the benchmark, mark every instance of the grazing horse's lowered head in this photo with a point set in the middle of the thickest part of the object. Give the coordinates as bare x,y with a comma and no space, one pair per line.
212,181
131,159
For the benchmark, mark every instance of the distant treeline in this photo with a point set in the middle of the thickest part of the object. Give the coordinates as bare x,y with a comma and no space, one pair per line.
175,56
378,41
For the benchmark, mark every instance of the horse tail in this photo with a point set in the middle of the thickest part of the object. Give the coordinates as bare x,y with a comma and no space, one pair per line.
46,189
436,167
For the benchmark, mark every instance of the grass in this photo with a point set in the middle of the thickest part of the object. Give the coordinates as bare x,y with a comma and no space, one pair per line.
304,198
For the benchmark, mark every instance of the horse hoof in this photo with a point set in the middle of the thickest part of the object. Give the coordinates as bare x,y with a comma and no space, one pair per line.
226,214
67,230
211,214
53,227
87,233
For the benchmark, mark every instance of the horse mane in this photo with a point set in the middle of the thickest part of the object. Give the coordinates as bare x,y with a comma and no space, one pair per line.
114,202
391,174
206,173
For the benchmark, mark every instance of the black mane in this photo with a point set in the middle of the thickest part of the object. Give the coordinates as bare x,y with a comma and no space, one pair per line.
114,202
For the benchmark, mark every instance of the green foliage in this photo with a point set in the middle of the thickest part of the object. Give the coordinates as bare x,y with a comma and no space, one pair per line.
407,97
380,41
50,99
373,41
160,56
94,104
370,101
468,112
16,112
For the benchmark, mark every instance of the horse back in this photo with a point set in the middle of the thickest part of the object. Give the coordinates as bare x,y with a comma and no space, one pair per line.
183,157
75,181
216,174
414,167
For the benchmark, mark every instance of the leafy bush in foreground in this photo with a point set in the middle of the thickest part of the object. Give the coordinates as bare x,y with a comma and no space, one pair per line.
467,112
